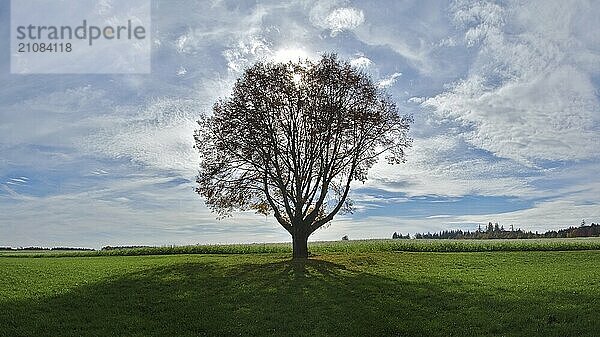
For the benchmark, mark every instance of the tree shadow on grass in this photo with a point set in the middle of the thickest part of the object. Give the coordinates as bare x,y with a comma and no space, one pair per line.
310,298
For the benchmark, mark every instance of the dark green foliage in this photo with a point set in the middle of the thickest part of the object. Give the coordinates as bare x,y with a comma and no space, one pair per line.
42,249
400,236
496,232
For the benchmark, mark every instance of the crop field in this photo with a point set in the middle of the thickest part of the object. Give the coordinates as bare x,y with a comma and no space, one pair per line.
353,246
357,291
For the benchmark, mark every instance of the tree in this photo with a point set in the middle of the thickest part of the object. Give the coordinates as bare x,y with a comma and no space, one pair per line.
290,140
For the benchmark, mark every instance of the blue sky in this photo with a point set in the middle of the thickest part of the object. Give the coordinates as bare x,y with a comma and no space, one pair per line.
505,95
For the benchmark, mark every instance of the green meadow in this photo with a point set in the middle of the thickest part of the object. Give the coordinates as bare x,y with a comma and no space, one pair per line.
362,288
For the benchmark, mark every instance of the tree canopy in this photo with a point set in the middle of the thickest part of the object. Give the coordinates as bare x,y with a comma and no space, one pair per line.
290,140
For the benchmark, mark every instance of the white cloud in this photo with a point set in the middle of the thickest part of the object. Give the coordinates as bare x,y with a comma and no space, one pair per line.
527,97
133,210
342,19
52,118
412,30
445,166
361,63
248,50
483,19
388,81
439,216
287,54
545,215
181,71
185,42
417,100
158,135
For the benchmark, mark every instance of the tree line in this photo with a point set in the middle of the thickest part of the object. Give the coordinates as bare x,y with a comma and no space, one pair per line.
43,248
495,231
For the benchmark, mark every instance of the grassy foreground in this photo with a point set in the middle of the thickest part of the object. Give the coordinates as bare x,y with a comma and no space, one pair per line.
533,293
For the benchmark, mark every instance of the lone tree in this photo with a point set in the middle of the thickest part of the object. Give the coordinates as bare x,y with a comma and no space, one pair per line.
290,140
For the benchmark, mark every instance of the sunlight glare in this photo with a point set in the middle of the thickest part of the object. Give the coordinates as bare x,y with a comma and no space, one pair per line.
290,54
297,78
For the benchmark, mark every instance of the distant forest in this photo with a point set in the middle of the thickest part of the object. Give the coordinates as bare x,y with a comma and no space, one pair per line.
494,231
45,248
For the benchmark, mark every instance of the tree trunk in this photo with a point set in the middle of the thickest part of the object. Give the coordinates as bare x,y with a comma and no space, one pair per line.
300,246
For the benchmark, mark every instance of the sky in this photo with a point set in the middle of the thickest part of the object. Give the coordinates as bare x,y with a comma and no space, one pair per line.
505,97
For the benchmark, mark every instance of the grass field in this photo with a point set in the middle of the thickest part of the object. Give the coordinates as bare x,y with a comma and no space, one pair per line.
353,246
362,293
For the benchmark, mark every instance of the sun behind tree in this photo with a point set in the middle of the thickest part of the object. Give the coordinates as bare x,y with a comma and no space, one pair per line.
290,140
